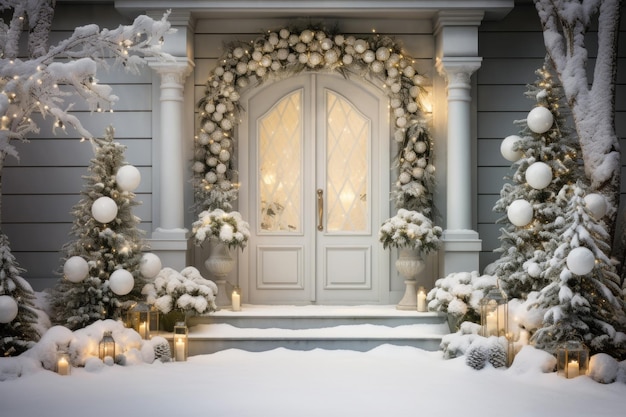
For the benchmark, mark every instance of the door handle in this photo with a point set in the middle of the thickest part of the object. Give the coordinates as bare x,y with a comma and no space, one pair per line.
320,209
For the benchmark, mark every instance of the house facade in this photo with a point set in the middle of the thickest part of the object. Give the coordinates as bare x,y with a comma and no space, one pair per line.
476,58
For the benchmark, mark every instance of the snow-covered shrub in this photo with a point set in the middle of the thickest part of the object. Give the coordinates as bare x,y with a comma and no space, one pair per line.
459,295
410,229
184,291
228,228
456,344
603,368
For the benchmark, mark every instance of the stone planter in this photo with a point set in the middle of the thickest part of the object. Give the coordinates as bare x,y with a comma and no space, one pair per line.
219,264
409,264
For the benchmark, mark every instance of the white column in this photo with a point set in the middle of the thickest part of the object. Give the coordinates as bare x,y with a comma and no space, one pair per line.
459,153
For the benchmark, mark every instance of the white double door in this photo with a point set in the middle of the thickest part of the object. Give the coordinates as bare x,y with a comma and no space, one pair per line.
314,173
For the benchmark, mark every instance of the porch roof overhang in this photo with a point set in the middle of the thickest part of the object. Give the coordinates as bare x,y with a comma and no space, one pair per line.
389,9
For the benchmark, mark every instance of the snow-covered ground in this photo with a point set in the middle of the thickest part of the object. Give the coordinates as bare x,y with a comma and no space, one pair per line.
386,381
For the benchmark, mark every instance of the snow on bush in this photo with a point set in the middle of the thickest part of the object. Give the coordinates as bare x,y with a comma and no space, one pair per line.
603,368
529,359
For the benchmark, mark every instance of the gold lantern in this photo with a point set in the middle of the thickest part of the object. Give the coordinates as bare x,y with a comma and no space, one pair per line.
572,359
106,347
181,341
494,314
63,366
144,319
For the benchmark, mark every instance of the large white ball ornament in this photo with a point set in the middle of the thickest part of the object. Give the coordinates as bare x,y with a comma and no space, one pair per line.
506,148
520,212
75,269
128,178
8,309
539,119
580,261
121,282
104,209
596,203
539,175
150,265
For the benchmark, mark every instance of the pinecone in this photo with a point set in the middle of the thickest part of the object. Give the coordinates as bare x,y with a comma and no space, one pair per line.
497,353
477,354
162,351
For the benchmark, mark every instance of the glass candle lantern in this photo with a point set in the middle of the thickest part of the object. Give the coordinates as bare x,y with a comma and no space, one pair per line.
106,347
494,314
144,319
63,366
572,359
181,342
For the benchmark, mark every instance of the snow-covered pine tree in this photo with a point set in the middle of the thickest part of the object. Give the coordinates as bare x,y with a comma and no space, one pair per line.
586,307
105,247
526,248
20,333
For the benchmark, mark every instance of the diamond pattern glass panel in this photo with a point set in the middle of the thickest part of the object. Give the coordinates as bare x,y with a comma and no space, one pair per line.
280,166
347,138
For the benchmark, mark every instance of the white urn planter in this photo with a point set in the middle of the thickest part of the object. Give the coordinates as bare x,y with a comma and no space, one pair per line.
409,265
220,263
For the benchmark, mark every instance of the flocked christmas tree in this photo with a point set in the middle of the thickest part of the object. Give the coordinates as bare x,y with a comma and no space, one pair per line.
101,271
18,317
583,301
544,157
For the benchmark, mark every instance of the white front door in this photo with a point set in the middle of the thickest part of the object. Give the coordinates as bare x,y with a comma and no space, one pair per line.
314,172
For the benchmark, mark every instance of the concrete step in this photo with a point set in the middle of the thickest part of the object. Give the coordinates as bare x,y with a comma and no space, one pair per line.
360,328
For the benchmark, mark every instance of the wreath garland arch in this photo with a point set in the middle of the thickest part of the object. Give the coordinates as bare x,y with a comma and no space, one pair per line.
280,54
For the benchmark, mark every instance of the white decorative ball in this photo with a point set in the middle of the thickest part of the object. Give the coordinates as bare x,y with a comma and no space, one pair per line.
121,282
382,53
228,77
420,146
128,178
539,175
75,269
339,39
580,260
360,45
412,107
596,203
507,151
220,168
409,71
331,56
241,68
8,309
210,177
410,156
369,56
377,67
404,177
327,43
347,59
520,212
401,122
219,71
306,36
150,265
418,173
104,209
224,155
315,59
539,120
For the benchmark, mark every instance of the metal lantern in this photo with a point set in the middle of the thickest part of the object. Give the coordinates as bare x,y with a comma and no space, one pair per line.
494,314
181,341
572,359
106,347
63,366
144,319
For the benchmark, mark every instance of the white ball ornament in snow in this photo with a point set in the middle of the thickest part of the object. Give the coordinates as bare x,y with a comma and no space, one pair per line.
121,282
75,269
104,209
539,175
507,150
520,212
596,203
8,309
128,178
150,265
539,119
580,261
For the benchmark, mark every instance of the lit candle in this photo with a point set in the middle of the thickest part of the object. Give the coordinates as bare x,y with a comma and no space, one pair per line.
421,300
180,349
236,301
143,330
63,366
573,369
492,324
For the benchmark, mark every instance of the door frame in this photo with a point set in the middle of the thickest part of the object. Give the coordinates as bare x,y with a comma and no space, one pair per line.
384,135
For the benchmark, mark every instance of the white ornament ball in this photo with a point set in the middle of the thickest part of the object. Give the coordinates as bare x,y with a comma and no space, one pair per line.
224,155
539,119
220,168
382,53
360,45
539,175
418,173
104,209
506,148
306,36
150,265
596,203
404,177
346,59
410,156
420,146
211,177
520,212
377,67
369,56
331,56
8,309
580,261
75,269
327,43
128,178
121,282
409,71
